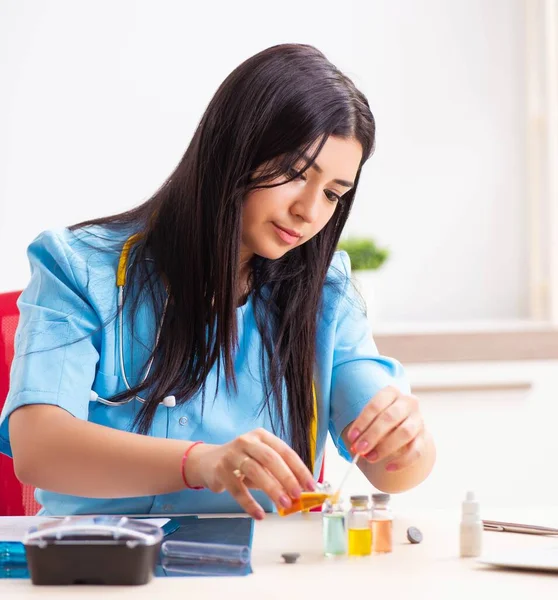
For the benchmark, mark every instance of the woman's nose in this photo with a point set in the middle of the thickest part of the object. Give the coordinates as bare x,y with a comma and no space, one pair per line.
307,206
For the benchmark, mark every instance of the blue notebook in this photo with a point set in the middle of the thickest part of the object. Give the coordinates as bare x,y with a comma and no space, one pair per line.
217,530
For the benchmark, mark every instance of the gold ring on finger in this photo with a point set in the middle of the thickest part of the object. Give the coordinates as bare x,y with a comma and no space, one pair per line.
238,472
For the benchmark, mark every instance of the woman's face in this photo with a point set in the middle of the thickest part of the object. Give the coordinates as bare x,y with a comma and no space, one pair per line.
276,220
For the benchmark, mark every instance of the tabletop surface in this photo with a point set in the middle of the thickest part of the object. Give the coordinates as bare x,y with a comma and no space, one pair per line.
431,569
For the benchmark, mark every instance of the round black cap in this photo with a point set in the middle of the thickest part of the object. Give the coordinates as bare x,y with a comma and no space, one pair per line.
290,557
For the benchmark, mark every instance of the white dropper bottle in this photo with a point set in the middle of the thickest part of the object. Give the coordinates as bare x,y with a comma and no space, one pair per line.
471,527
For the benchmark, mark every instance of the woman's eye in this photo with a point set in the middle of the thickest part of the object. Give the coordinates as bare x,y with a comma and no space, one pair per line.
332,197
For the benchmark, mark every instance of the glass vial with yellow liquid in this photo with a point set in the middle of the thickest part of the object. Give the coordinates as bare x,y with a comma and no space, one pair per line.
381,524
360,535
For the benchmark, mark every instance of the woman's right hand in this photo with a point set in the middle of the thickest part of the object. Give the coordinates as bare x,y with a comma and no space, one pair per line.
257,460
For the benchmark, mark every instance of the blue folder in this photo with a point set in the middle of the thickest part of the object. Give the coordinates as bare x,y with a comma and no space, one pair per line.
218,530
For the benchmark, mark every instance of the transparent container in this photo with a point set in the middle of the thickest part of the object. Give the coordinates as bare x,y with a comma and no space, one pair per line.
200,552
109,550
204,559
334,529
360,535
381,524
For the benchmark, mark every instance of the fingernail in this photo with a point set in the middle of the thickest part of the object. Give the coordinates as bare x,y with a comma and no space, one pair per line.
295,492
372,456
391,467
311,485
285,501
361,446
353,434
259,514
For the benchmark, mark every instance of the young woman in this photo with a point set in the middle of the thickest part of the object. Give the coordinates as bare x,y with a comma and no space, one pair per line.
215,312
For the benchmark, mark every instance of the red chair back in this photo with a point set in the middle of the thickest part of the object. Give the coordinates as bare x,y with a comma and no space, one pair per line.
15,498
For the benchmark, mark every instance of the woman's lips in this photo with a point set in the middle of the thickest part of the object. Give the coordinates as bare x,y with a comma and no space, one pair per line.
286,235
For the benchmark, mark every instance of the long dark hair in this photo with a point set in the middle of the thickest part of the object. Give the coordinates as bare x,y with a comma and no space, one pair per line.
271,110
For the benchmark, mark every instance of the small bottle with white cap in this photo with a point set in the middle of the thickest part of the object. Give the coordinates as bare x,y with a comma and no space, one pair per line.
471,527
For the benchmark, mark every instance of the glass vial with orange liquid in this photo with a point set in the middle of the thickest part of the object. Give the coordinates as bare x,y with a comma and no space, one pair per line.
360,534
307,500
381,524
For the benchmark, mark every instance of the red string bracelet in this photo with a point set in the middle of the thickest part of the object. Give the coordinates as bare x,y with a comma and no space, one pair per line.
183,472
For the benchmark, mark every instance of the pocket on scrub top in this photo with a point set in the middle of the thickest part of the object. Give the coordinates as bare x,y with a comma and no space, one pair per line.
118,417
106,385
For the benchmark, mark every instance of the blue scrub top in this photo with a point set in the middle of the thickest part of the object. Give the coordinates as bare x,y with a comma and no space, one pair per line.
66,345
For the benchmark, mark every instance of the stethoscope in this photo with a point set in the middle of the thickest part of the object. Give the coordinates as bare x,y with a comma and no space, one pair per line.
168,401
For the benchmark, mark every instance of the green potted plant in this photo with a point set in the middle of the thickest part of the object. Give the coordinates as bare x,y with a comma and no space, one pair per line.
366,258
365,255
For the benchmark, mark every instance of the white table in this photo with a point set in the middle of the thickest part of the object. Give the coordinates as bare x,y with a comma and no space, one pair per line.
430,570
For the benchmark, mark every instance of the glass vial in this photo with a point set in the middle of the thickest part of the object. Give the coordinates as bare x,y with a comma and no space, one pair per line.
334,529
381,524
360,535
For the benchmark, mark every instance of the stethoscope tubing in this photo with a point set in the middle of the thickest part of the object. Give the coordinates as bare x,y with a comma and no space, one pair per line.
168,401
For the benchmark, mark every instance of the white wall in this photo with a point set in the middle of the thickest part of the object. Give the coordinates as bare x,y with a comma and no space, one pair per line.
446,188
501,444
99,100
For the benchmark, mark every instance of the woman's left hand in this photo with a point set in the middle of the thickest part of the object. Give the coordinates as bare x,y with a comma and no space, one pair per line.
390,427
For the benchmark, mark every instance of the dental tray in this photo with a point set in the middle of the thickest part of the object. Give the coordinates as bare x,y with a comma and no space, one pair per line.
109,550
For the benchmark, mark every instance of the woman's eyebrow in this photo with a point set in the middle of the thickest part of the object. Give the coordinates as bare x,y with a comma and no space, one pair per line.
319,169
